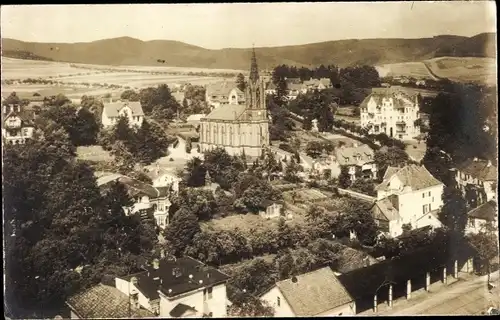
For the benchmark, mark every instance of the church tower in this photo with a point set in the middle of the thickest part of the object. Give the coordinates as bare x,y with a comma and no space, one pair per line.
256,111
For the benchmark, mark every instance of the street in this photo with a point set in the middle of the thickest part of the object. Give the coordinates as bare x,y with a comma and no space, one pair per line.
466,297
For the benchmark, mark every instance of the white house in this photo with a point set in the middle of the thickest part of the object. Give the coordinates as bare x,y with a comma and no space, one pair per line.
222,93
163,177
313,294
144,195
408,195
114,110
480,177
274,210
359,159
320,166
271,88
177,288
391,112
17,124
481,216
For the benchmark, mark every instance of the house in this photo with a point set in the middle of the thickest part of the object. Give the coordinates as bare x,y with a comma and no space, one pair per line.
273,210
294,89
112,111
392,112
178,287
104,302
162,177
17,124
481,216
144,195
477,179
407,196
271,88
222,93
328,163
316,293
359,159
317,84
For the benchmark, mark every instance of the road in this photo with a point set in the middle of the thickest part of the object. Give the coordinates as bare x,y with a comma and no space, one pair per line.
460,298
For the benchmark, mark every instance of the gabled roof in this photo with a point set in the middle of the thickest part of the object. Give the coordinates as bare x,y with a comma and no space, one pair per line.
487,211
227,112
134,186
314,292
222,88
416,177
164,278
112,109
195,117
104,302
479,169
346,155
387,211
399,98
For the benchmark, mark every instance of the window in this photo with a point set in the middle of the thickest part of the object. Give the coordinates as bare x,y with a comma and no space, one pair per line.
209,290
429,194
278,301
425,208
432,199
423,195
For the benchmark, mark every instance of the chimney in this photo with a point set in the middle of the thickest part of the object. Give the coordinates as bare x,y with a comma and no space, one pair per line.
208,275
133,281
475,159
489,163
156,264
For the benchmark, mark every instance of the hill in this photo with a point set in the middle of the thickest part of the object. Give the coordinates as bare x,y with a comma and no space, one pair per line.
130,51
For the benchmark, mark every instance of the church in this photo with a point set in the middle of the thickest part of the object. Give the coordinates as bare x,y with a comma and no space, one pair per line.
239,128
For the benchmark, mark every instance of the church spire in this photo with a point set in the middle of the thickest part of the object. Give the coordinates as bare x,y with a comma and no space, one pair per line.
254,71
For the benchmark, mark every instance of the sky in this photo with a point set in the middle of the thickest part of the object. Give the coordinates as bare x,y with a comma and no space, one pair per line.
241,25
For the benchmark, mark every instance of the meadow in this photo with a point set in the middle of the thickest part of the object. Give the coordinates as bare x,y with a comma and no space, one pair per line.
460,69
76,80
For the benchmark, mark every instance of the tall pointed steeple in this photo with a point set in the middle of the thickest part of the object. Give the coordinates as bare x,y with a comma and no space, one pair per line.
254,71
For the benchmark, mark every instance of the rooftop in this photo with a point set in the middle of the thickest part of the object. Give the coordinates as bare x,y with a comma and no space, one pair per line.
347,155
400,99
416,177
226,112
112,109
487,211
176,276
314,292
479,169
386,210
102,301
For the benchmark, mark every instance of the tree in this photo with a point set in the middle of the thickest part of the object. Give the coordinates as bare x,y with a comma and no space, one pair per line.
252,307
486,245
391,157
453,214
291,171
181,230
159,102
314,213
85,128
344,179
130,95
240,82
314,149
357,217
365,186
195,173
199,202
252,193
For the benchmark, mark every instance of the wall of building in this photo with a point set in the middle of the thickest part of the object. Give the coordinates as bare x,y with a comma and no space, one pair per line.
284,309
411,203
124,287
348,309
217,305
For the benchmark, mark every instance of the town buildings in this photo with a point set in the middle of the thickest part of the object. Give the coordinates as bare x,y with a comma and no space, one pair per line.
224,93
112,111
17,123
177,287
408,196
145,196
391,112
483,218
359,159
239,128
477,179
104,302
316,293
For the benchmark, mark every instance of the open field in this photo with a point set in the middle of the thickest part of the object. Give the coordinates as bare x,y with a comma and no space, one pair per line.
461,69
93,153
465,69
90,80
405,69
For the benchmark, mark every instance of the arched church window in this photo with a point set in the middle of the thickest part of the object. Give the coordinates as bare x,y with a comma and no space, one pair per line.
223,135
231,135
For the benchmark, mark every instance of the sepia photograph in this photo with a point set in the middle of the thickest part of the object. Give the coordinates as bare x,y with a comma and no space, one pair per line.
226,160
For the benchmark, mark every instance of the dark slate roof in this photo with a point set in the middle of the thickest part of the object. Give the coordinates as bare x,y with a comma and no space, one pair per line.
104,302
479,169
386,209
164,278
181,309
487,211
416,177
314,292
